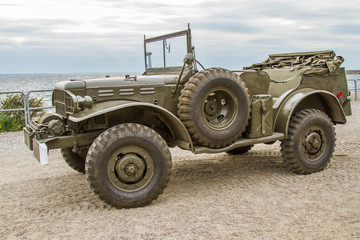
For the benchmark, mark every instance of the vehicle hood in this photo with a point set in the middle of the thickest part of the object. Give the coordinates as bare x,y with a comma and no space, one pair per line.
118,82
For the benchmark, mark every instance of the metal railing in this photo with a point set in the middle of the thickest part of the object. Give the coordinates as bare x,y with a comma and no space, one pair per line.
355,88
23,109
26,103
28,108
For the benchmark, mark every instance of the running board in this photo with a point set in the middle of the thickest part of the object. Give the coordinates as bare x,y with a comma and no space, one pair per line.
242,142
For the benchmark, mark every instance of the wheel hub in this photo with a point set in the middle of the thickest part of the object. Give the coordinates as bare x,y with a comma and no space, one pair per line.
220,108
212,107
313,142
130,168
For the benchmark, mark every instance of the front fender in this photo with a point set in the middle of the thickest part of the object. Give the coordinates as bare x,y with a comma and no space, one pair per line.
176,127
302,99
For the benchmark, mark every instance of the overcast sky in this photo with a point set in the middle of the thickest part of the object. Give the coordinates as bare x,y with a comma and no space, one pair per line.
63,36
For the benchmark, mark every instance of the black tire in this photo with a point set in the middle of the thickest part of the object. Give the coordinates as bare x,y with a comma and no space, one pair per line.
128,165
214,105
74,160
240,150
310,142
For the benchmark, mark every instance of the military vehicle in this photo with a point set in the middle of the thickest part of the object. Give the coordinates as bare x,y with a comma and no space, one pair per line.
118,130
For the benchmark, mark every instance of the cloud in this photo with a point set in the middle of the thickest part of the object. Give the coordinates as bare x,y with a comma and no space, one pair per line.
229,33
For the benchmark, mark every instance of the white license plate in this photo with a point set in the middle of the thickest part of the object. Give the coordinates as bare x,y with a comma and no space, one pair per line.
40,152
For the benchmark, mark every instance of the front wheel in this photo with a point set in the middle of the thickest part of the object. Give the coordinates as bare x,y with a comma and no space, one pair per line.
310,142
128,165
75,160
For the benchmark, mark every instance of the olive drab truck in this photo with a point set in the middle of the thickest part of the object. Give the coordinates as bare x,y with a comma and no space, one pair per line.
118,131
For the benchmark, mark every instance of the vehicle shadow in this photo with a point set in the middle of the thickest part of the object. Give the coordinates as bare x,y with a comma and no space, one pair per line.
217,166
70,192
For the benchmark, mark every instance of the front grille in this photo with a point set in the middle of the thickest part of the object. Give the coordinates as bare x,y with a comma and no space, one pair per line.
65,102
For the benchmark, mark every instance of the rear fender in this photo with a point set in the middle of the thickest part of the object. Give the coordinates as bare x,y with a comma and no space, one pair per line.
302,99
176,127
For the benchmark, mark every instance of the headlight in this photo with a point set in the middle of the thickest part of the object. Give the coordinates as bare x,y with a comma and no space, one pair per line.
67,103
85,102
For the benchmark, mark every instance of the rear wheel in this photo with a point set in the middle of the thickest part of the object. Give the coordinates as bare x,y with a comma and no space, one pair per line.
128,165
310,142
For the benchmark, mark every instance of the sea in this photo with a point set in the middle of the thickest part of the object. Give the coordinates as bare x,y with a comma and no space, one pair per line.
27,83
30,82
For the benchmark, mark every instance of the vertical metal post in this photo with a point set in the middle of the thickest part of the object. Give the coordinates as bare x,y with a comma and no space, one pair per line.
145,53
188,39
355,85
164,42
26,108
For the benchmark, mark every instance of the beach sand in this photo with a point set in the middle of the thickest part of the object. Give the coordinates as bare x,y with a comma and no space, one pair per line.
208,197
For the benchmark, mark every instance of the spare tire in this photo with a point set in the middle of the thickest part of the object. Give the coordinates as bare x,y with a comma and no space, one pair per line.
214,106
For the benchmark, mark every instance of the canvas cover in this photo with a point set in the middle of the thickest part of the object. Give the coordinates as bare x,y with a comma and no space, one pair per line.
315,62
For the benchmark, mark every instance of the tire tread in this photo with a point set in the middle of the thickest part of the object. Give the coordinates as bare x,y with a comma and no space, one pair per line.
118,131
288,148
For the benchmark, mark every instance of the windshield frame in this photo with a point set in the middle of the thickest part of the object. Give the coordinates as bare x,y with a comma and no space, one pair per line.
163,38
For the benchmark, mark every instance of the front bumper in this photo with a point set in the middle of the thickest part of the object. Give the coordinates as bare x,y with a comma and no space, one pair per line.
41,145
40,150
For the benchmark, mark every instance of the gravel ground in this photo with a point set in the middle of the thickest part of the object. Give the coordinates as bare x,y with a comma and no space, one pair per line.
209,197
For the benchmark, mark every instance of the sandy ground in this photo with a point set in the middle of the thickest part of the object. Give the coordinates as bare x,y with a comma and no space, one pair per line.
209,197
